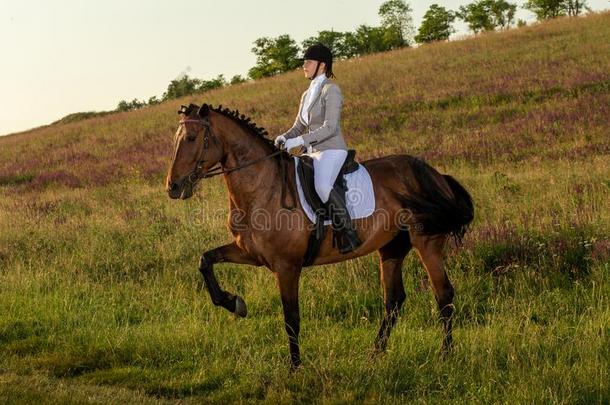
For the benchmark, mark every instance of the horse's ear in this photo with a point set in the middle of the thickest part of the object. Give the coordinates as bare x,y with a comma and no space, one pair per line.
204,111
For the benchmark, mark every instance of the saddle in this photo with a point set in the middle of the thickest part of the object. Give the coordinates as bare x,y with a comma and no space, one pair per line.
305,171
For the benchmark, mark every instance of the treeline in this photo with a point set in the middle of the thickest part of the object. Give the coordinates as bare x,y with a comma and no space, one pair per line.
182,86
281,54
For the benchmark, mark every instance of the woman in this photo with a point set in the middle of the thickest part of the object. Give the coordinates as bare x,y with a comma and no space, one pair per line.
317,128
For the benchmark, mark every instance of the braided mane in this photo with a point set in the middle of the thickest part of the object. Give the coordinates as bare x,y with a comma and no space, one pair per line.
245,122
235,116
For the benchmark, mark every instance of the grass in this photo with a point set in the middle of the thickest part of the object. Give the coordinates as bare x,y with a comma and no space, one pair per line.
101,302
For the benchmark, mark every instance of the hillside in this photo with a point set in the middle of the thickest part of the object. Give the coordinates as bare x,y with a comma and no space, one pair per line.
498,97
100,298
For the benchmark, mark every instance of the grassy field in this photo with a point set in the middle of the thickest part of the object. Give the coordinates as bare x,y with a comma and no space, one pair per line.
101,301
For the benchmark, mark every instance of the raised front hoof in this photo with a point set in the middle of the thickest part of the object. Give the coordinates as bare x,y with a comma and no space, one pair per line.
240,307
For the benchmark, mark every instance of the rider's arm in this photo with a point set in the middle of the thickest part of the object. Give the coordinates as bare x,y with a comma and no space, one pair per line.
332,116
297,128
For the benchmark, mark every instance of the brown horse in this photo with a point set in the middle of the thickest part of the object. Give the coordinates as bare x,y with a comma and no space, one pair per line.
415,207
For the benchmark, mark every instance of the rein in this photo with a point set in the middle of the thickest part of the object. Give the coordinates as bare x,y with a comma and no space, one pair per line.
194,176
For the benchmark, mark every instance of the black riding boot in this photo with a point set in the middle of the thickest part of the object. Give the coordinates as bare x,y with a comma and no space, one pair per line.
347,238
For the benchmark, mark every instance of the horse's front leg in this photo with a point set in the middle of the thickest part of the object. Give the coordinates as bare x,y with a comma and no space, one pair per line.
230,253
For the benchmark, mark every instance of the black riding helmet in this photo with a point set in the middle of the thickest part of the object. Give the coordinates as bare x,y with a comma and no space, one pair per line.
321,53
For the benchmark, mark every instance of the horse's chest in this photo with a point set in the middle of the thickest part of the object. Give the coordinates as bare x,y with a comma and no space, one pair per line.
241,227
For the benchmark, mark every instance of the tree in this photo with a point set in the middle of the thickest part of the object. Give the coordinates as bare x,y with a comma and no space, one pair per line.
503,13
128,106
206,85
396,27
135,104
368,39
351,45
237,79
123,106
183,86
487,15
336,41
392,39
274,55
575,7
476,16
436,25
545,9
397,21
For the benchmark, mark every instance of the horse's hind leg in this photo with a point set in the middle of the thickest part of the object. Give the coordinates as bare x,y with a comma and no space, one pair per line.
391,257
230,253
430,250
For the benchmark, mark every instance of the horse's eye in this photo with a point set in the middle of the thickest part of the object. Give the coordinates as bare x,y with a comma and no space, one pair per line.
191,138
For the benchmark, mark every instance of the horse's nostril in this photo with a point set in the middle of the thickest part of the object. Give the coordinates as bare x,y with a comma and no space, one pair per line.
173,187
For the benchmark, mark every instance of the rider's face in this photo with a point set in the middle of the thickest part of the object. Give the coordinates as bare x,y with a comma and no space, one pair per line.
309,67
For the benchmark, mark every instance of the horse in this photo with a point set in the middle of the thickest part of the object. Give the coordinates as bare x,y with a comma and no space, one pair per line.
426,209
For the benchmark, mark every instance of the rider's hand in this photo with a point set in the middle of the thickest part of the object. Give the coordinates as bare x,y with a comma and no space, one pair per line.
294,142
279,140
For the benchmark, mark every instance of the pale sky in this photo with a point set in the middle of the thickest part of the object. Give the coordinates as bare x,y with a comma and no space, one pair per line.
66,56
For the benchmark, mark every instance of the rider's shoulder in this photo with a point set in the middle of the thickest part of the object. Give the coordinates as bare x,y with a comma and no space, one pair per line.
331,86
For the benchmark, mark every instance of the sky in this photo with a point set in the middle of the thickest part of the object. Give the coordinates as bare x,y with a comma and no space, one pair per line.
64,56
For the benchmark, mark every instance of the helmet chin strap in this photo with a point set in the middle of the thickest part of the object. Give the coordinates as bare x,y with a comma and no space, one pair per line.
316,72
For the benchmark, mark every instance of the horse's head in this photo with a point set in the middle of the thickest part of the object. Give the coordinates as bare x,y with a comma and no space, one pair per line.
196,150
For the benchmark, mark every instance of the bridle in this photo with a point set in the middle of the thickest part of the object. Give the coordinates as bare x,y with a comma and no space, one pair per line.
197,173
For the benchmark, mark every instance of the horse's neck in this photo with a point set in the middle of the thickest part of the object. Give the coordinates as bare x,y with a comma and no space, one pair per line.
254,184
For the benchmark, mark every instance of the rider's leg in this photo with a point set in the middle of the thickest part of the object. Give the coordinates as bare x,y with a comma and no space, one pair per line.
327,165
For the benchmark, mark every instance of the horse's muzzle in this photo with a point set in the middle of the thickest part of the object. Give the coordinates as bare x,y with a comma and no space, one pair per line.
173,190
180,190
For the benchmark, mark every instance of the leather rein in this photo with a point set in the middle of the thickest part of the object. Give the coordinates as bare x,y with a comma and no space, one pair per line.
196,174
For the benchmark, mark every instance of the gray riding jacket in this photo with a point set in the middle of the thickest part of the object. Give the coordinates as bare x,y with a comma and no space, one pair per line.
324,129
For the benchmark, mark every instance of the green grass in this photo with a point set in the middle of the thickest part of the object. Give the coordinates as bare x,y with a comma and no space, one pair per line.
101,300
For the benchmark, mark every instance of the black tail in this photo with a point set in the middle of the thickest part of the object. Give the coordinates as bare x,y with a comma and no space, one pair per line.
433,211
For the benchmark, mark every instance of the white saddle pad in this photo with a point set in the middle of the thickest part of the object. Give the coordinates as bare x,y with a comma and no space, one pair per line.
360,197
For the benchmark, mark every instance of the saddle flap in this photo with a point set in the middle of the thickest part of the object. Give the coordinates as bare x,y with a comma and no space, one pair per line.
305,170
305,173
350,165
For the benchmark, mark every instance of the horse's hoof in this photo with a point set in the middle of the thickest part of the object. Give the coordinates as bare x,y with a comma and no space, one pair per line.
375,353
240,307
295,363
446,350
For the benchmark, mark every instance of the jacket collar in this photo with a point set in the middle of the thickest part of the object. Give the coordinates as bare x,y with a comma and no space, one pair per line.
315,100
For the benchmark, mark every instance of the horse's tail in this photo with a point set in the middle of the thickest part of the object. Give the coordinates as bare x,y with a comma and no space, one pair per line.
434,211
464,207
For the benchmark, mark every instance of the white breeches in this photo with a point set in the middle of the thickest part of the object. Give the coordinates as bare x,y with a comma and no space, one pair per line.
326,167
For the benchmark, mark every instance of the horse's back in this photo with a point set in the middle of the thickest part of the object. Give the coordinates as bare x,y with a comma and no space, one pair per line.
399,160
401,172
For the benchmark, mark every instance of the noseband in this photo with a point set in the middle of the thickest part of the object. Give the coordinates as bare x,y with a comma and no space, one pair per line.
197,173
